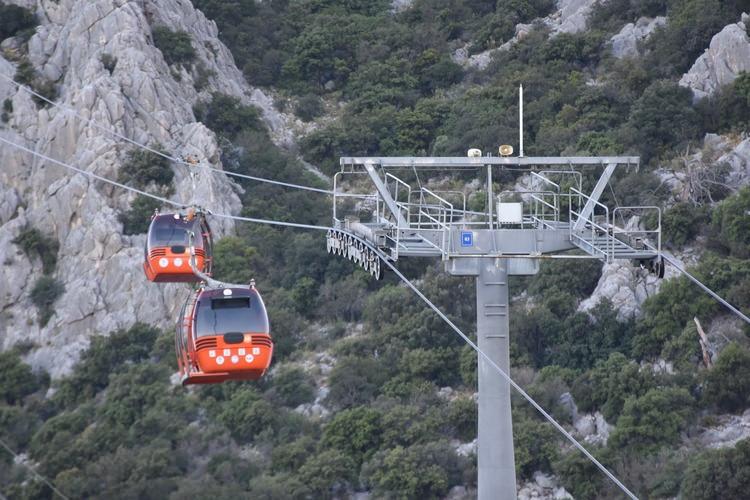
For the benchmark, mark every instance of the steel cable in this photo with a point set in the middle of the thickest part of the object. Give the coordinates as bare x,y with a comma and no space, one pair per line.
180,161
29,467
403,278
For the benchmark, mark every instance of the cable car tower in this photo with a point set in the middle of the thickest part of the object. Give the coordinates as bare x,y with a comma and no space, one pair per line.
515,231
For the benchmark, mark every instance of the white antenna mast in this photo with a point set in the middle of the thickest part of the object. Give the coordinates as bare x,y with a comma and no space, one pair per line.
520,121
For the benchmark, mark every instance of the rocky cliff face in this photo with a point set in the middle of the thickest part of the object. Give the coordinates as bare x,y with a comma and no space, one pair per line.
627,42
142,98
725,58
571,16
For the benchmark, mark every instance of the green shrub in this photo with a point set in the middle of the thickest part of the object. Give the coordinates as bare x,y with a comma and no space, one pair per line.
227,116
202,77
176,46
292,386
462,416
105,355
291,456
419,471
16,20
729,108
579,475
681,223
246,415
653,420
420,419
731,223
355,381
728,383
278,486
7,110
576,277
328,474
357,433
662,118
234,261
536,446
18,379
141,168
32,241
131,396
607,386
27,75
666,314
17,425
44,294
108,61
692,24
138,218
718,474
308,107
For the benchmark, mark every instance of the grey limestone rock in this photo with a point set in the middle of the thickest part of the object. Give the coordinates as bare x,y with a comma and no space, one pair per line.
730,430
542,487
571,16
727,55
140,99
626,42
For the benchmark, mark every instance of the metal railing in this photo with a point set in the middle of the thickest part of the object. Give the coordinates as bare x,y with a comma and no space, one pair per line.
403,205
364,198
637,238
597,230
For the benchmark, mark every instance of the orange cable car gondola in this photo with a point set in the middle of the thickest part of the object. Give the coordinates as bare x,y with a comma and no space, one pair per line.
166,256
223,333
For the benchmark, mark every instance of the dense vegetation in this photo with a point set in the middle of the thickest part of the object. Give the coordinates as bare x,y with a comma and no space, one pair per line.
370,353
16,21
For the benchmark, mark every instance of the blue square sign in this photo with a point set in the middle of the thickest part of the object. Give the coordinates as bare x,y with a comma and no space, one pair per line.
467,239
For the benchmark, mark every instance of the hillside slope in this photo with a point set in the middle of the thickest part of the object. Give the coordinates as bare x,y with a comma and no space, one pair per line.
370,394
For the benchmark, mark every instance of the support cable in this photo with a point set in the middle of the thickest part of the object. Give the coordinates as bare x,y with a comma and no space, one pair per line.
502,372
30,468
676,264
180,161
672,260
403,278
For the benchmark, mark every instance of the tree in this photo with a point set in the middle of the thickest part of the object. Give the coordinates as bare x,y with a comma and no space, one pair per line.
355,381
227,116
328,473
356,432
138,218
291,386
176,46
45,293
32,241
718,474
661,118
246,415
536,446
728,383
18,379
15,20
609,384
653,420
143,168
420,471
106,355
732,224
234,261
681,223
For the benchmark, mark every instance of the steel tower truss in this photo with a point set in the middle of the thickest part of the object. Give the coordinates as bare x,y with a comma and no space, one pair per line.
554,218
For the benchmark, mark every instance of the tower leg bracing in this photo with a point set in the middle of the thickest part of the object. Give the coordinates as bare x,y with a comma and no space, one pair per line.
496,463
